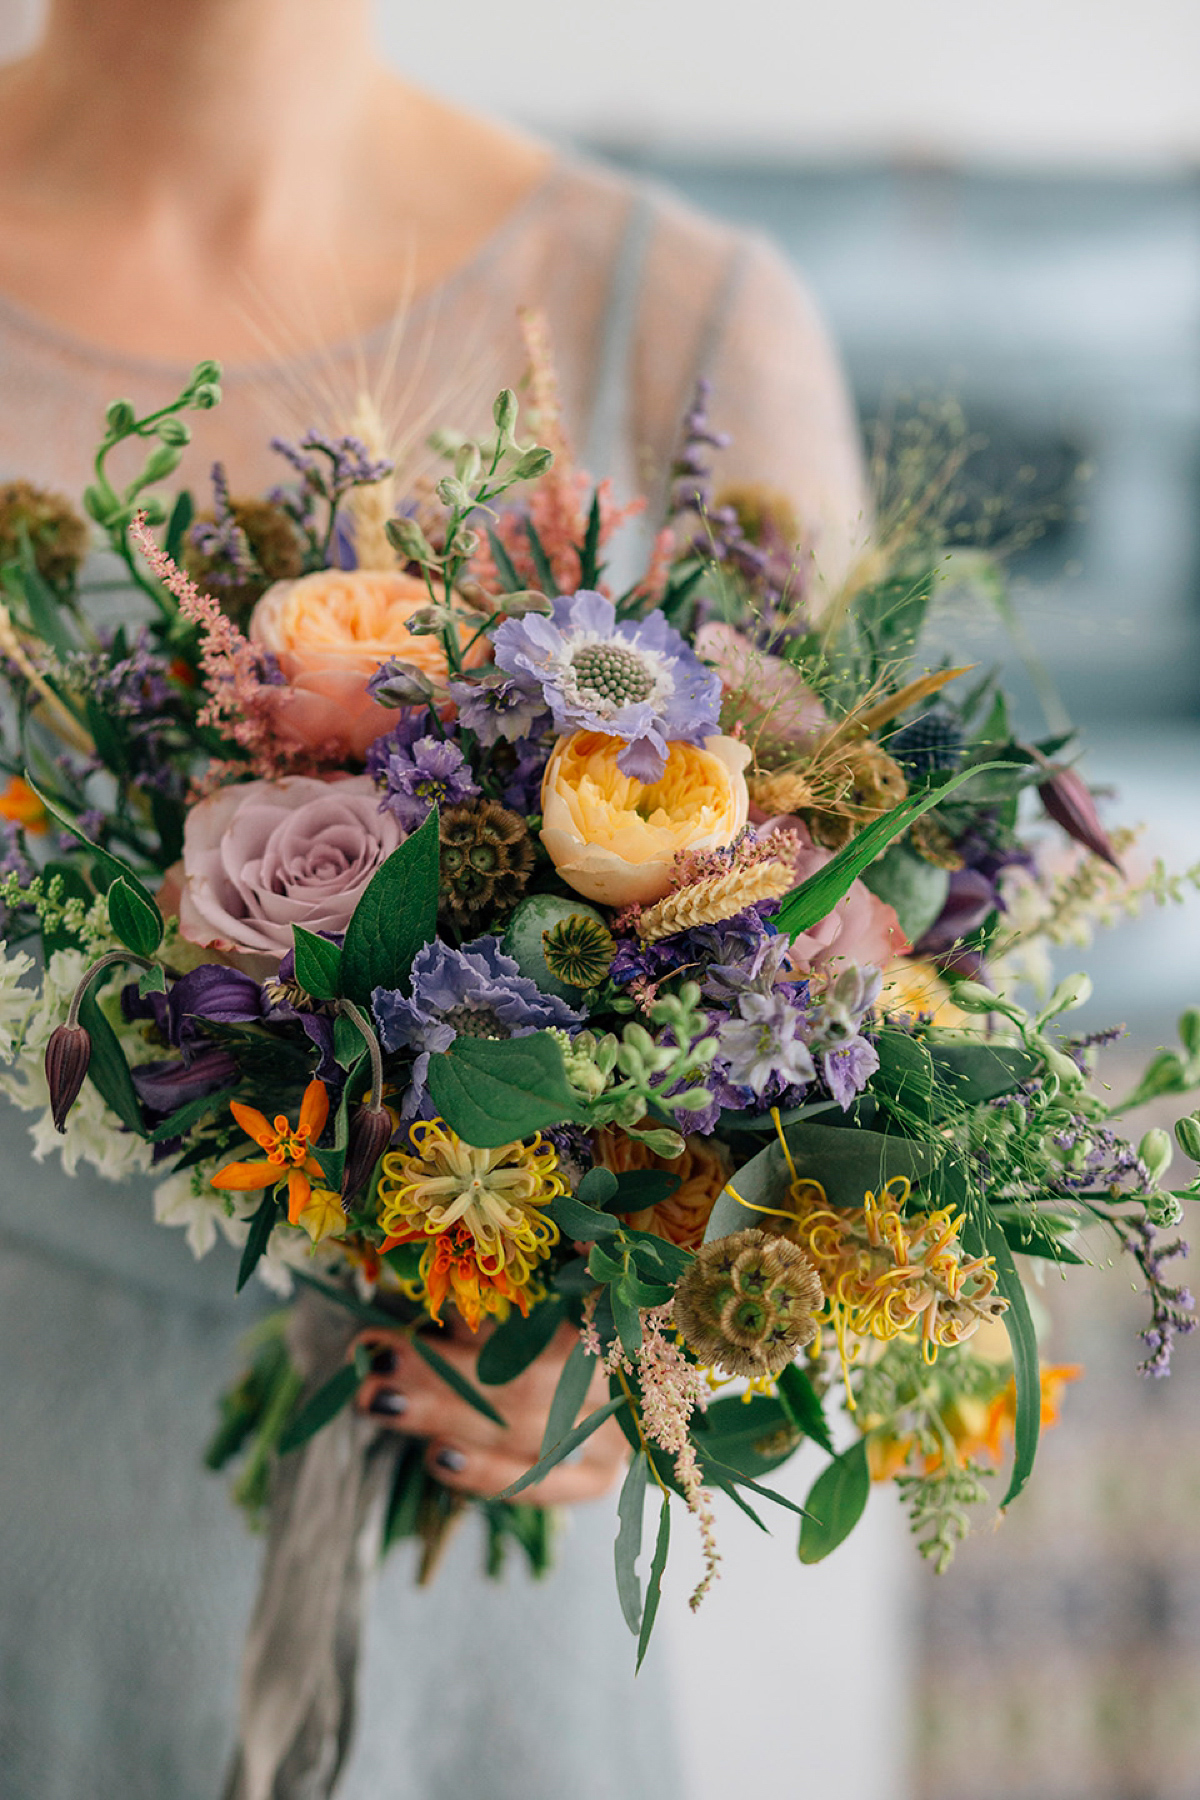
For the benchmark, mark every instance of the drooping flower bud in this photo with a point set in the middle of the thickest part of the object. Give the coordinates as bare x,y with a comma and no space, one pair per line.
371,1131
748,1303
68,1054
1068,801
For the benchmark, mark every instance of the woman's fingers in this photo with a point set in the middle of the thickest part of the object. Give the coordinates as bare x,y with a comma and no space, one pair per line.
590,1472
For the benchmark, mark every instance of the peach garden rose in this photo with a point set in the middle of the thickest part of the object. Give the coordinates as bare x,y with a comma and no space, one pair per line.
614,839
328,632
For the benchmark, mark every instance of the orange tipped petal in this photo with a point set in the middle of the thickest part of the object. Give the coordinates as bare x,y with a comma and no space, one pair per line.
299,1191
253,1124
246,1178
314,1108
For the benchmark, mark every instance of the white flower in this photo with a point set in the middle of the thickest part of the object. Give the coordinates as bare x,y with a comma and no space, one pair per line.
16,1002
187,1200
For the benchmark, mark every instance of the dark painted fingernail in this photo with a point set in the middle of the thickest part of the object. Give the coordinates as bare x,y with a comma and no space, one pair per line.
453,1461
383,1362
391,1404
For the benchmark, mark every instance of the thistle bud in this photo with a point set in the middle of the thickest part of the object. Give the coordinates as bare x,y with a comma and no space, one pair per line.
371,1131
1067,800
1187,1136
1156,1152
68,1054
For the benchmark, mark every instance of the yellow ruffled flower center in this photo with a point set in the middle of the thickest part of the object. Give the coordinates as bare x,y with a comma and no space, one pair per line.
691,799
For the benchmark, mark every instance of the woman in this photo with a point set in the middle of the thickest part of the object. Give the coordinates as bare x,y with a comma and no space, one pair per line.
172,176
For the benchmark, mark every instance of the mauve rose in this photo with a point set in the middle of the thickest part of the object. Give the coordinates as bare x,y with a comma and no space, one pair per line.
269,855
766,694
860,929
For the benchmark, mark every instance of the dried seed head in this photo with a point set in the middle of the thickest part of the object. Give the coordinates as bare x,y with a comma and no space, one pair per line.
486,859
68,1054
748,1303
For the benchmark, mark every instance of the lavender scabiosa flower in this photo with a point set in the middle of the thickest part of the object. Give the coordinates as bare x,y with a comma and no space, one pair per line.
635,679
477,991
433,773
764,1043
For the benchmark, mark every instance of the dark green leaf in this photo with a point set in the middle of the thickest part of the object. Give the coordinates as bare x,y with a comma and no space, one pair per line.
756,1487
589,555
597,1188
541,562
184,1117
1022,1340
492,1092
112,866
182,514
45,613
602,1267
395,918
1030,1234
802,1404
836,1502
74,887
466,1390
631,1510
575,1220
564,1447
318,965
654,1583
748,1437
139,927
518,1342
816,898
639,1189
261,1226
974,1073
505,567
655,1258
108,1071
168,816
905,1075
627,1317
569,1396
323,1406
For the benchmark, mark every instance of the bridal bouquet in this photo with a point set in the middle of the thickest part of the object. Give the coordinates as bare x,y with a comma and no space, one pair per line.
465,938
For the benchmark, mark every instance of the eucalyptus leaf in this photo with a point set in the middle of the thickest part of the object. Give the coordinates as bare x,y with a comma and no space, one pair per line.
575,1220
974,1073
598,1187
989,1235
324,1405
662,1545
564,1447
518,1342
836,1502
569,1396
631,1512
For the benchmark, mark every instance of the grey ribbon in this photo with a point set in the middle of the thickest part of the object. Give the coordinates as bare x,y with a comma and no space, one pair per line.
327,1509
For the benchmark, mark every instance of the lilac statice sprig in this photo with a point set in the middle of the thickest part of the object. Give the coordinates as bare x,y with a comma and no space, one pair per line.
620,1080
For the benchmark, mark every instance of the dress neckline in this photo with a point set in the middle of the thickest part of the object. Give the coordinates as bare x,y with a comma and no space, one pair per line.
99,358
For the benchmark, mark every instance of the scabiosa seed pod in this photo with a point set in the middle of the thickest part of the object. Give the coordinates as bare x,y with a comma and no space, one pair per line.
1068,801
486,859
371,1129
748,1303
579,951
68,1054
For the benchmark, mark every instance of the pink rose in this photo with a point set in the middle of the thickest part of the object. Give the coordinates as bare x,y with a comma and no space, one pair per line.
264,857
765,693
860,929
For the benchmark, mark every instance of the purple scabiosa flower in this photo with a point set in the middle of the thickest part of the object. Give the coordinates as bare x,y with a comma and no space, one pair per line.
477,991
764,1043
500,707
636,679
433,773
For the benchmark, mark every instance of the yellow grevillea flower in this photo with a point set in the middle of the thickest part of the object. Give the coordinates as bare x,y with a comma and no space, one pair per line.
614,839
481,1212
287,1151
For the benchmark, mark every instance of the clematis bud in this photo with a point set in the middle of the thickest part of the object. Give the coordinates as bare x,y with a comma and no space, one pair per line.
68,1054
371,1131
1068,801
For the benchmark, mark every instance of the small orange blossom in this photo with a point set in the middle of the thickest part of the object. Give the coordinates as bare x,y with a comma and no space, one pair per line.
287,1150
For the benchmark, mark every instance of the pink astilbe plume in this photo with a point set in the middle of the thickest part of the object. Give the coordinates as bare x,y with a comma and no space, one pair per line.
561,501
240,704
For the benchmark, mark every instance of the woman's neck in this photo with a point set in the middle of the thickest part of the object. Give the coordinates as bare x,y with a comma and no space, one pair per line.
163,161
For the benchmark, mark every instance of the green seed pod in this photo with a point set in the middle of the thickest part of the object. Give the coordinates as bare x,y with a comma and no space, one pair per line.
1156,1152
1163,1209
534,920
504,412
1187,1136
174,430
120,418
535,462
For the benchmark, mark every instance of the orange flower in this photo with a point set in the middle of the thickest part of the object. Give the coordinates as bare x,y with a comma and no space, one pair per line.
20,804
287,1151
703,1170
1002,1413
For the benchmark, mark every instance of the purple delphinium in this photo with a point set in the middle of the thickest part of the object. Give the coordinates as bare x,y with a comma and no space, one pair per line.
634,679
733,945
500,707
764,1043
522,789
434,772
477,991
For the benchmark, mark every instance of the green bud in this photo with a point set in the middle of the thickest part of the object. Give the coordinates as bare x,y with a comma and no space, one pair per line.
606,1054
534,463
1156,1152
452,493
515,606
205,374
1163,1209
661,1141
693,1100
162,462
155,511
206,396
1074,991
429,620
174,430
409,541
1189,1031
120,418
1187,1136
100,503
973,997
467,462
1068,1073
505,413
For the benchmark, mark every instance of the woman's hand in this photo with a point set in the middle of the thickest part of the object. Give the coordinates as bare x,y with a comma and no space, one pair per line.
468,1452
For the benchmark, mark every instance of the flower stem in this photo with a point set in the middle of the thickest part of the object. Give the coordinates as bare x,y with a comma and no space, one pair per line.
372,1042
89,975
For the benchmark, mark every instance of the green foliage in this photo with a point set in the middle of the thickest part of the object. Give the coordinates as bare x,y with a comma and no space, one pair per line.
551,1459
108,1070
261,1227
836,1501
318,965
111,868
662,1545
519,1341
396,917
569,1396
802,1404
497,1091
446,1371
631,1510
329,1400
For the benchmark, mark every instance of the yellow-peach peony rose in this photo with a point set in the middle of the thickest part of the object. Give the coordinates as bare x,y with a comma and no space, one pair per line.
614,839
329,632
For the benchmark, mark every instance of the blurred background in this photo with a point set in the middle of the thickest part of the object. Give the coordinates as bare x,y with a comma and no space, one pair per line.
1000,203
